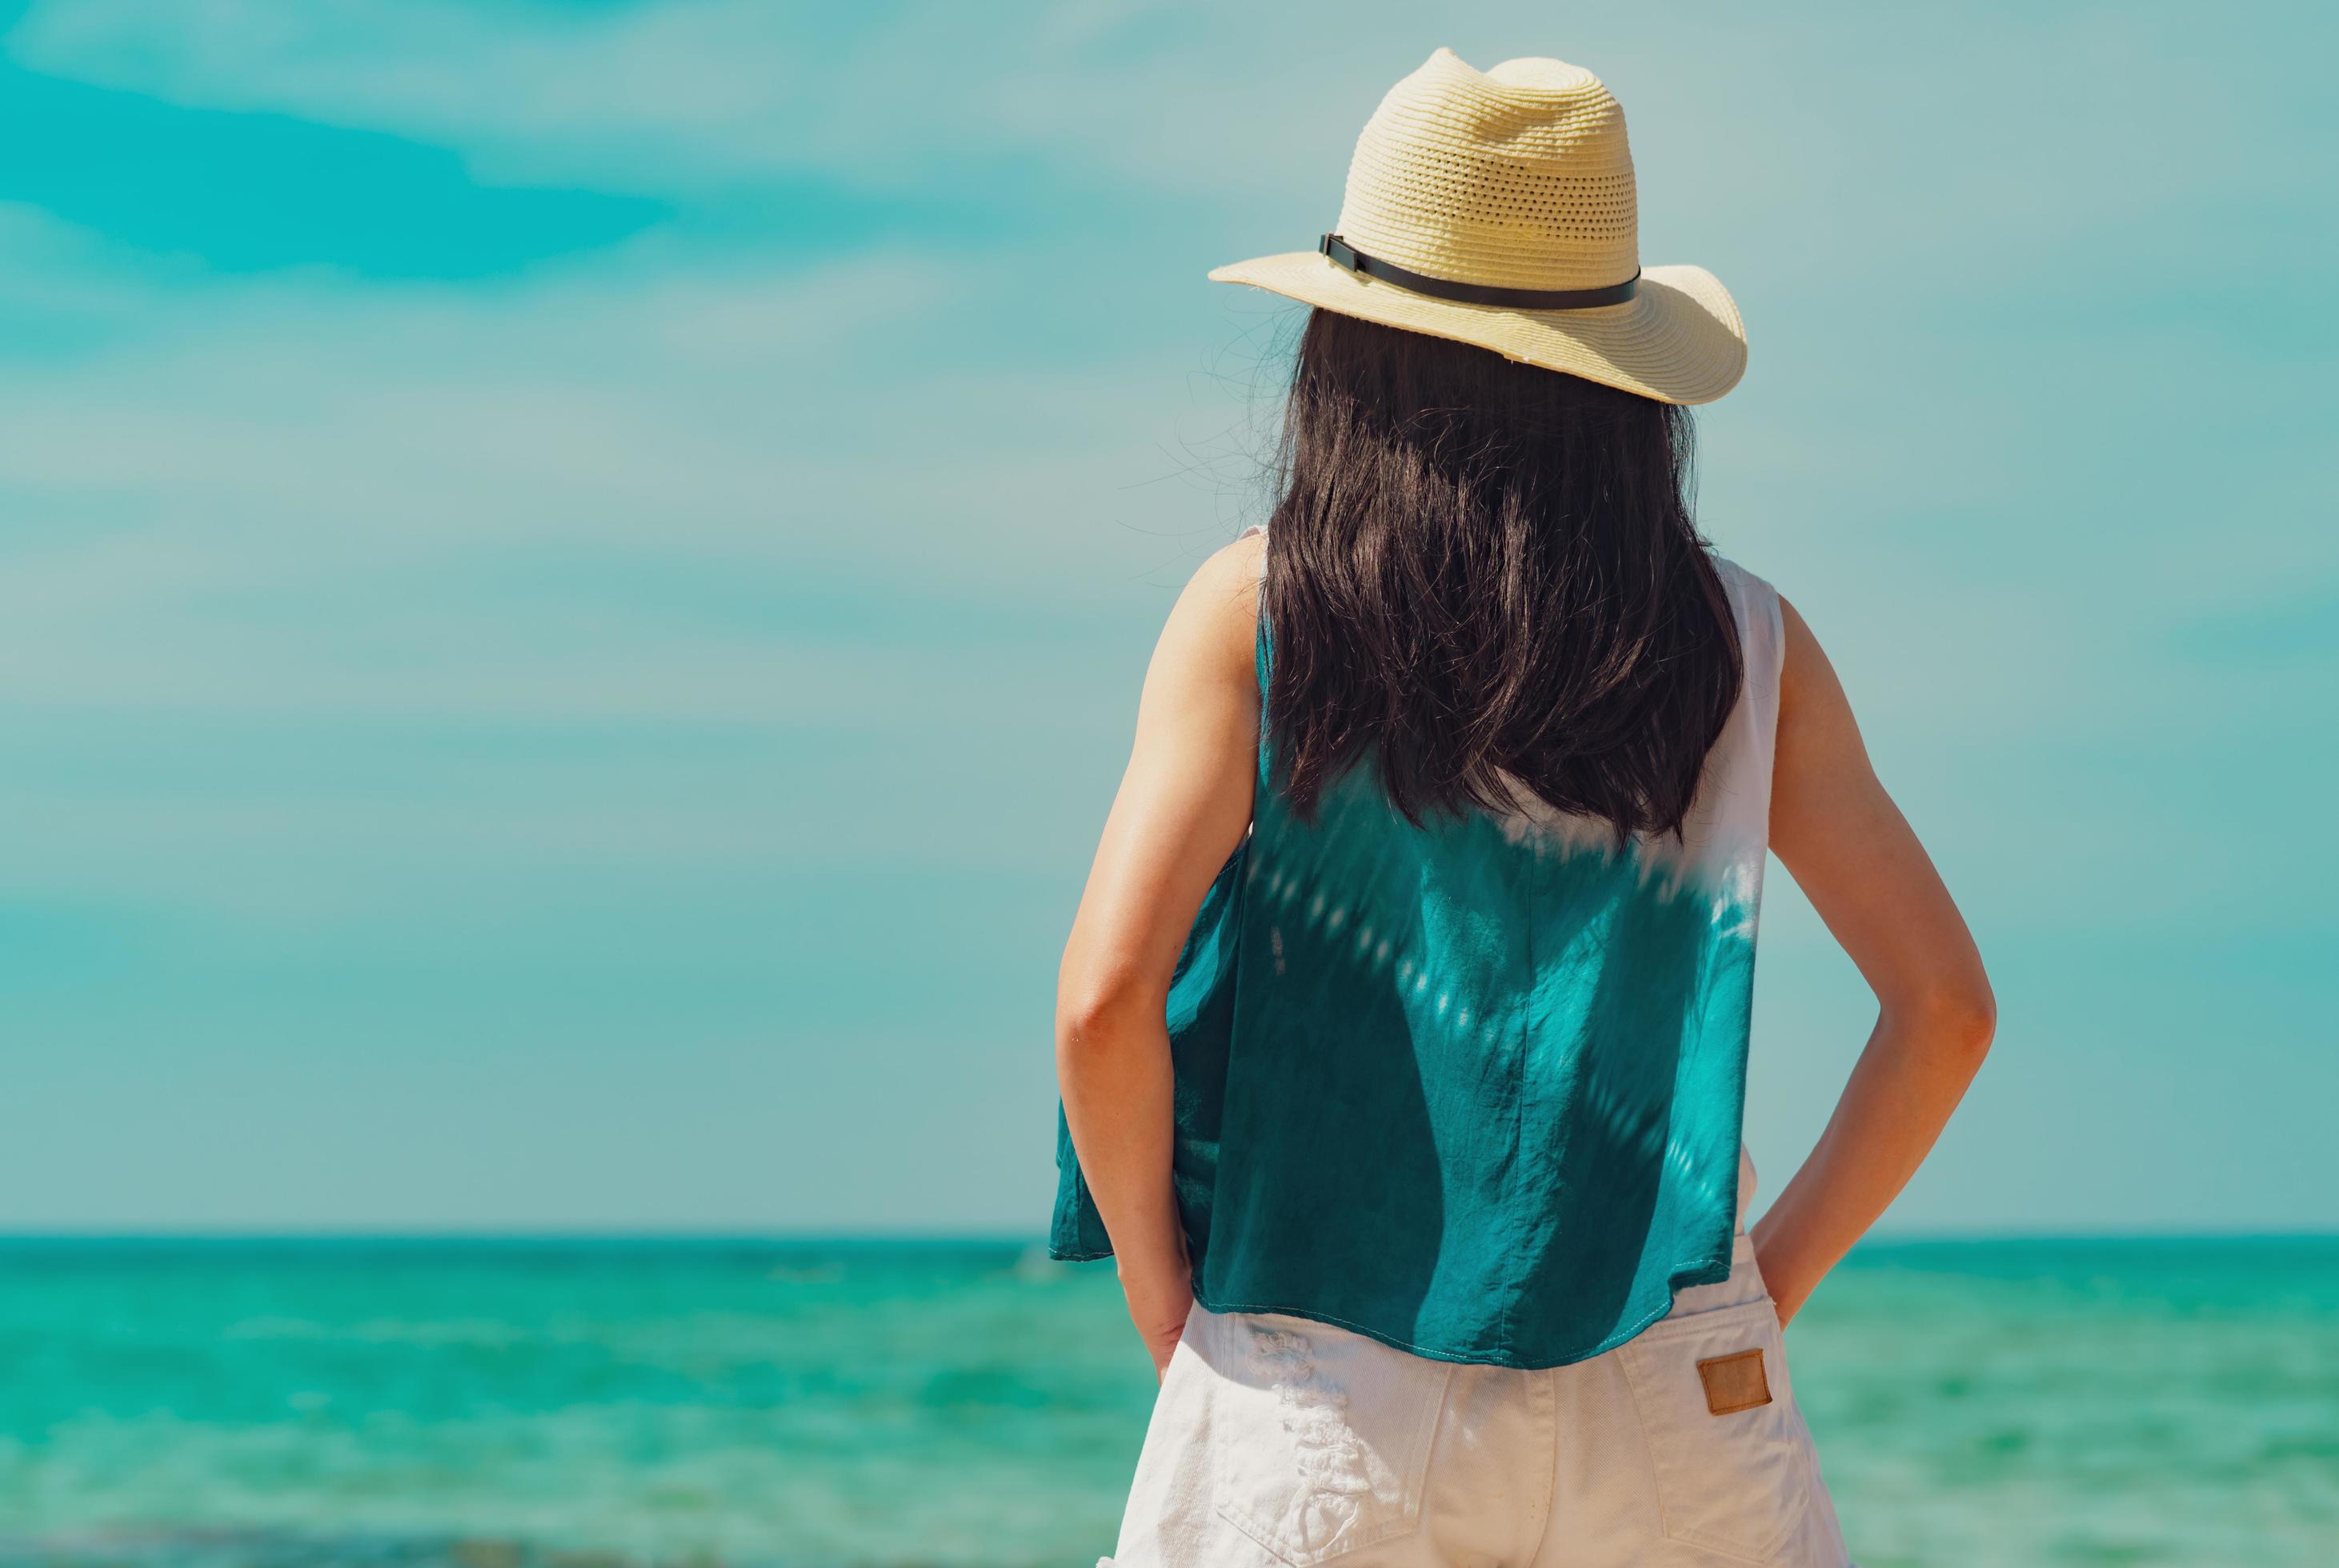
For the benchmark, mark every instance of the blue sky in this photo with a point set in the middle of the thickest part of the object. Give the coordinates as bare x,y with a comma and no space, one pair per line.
573,577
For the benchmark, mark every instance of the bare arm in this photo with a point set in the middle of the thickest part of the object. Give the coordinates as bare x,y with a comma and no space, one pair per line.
1183,806
1853,854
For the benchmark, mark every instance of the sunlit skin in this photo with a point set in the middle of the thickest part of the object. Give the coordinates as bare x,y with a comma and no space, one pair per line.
1185,803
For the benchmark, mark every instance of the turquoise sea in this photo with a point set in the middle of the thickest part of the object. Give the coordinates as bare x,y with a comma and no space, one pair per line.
818,1405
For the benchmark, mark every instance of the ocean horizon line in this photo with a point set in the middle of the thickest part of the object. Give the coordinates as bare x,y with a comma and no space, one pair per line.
1005,1241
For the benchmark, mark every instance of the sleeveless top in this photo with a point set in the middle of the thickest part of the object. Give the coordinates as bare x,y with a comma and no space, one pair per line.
1473,1089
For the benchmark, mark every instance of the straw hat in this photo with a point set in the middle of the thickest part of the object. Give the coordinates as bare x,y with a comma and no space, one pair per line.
1497,208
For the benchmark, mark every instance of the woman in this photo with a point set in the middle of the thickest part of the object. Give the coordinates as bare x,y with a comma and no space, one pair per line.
1402,1030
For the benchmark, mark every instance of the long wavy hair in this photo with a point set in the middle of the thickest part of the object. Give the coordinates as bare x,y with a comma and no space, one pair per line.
1484,575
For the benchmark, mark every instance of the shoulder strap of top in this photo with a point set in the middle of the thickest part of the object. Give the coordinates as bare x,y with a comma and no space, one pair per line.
1731,823
1763,647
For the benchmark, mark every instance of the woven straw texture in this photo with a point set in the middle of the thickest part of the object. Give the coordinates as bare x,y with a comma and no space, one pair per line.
1518,177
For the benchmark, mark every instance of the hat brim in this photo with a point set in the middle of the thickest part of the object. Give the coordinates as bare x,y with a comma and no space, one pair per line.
1678,340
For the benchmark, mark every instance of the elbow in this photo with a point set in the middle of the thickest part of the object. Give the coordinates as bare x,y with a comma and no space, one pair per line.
1961,1023
1096,1014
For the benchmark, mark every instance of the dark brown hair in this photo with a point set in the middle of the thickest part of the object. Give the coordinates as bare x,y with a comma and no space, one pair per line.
1479,567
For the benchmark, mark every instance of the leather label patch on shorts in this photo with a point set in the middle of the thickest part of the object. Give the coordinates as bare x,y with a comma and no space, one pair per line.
1735,1382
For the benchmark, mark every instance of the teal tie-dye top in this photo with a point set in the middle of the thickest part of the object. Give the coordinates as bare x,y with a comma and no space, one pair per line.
1473,1089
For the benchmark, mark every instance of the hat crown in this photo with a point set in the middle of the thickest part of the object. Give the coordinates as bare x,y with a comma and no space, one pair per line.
1518,177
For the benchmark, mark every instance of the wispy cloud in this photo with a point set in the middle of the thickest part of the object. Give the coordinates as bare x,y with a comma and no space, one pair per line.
696,96
249,191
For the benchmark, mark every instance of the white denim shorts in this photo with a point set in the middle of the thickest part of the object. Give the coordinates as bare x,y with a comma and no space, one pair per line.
1280,1441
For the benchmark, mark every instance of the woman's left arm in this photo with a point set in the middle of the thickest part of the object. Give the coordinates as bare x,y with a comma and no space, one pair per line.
1184,803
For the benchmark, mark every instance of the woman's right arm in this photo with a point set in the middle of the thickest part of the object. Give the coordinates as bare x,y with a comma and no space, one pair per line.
1854,856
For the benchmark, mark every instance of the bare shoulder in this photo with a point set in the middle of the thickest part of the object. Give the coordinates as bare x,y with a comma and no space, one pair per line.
1233,570
1807,681
1820,751
1216,619
1798,646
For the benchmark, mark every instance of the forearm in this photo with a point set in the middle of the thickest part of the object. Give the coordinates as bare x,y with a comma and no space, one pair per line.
1113,1069
1908,1080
